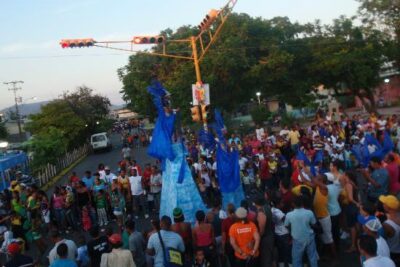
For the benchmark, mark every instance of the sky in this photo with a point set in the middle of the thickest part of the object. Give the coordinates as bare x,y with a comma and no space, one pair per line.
31,30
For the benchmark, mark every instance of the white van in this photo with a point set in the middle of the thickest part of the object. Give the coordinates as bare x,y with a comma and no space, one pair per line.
100,141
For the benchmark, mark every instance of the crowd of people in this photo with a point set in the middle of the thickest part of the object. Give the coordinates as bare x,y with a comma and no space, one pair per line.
311,193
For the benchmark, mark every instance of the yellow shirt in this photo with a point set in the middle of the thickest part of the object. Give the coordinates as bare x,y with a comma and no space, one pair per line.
320,204
294,137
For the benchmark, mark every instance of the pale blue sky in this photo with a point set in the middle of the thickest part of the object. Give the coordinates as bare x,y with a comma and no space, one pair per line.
30,31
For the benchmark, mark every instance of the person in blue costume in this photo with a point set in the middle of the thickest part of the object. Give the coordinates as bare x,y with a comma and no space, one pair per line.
228,170
178,186
228,166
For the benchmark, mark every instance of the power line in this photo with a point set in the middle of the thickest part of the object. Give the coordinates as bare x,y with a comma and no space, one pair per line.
62,56
220,49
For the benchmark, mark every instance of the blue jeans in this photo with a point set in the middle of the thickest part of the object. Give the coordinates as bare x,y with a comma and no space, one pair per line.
59,215
298,250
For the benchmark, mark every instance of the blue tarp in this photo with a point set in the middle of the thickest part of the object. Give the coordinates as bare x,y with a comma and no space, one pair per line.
11,160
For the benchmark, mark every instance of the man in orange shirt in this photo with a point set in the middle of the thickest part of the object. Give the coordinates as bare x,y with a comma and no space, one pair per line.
245,239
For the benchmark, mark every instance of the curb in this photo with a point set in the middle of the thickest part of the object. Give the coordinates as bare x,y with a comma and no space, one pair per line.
61,174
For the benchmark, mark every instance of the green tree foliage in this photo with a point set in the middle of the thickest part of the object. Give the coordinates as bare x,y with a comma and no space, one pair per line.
384,15
47,146
72,119
348,58
259,114
276,57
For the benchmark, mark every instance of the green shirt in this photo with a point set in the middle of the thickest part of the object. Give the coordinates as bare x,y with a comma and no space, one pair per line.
101,201
125,240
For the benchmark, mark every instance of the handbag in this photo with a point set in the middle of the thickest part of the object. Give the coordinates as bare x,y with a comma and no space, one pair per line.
172,256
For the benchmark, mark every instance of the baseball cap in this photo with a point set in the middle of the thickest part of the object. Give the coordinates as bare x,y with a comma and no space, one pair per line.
241,213
114,178
363,220
373,225
391,201
178,213
106,168
115,239
13,248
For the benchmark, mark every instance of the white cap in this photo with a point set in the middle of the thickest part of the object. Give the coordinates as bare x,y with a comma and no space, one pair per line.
241,213
373,225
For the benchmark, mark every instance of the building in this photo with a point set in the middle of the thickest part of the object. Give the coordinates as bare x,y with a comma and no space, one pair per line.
123,114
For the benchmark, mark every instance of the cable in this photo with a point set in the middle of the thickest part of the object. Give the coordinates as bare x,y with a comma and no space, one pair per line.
61,56
176,52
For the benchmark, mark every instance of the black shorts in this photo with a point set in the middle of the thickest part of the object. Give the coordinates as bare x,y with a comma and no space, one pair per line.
351,212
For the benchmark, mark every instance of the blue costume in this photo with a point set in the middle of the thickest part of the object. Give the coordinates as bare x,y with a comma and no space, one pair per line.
178,187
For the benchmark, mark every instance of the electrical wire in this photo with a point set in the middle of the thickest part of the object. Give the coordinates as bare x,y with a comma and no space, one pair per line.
176,52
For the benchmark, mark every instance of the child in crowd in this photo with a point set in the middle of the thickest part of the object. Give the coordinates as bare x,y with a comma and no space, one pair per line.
200,260
82,253
101,203
246,181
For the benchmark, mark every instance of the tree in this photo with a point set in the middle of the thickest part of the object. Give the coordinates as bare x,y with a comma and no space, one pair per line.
260,114
75,116
348,58
276,57
90,108
47,147
384,15
235,67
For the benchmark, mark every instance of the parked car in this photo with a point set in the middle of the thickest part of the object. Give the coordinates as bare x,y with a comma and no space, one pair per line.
100,141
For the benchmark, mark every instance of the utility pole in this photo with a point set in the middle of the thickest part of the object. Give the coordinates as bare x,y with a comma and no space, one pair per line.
14,88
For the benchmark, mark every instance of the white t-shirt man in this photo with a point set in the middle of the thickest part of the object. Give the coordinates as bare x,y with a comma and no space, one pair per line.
136,185
382,248
242,163
379,261
126,152
155,183
284,132
71,250
102,174
109,177
260,133
382,124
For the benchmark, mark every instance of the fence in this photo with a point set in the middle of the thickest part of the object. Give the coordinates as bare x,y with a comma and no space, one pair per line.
45,174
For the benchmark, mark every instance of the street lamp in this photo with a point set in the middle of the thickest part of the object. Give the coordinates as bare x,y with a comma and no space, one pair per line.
97,122
387,80
258,94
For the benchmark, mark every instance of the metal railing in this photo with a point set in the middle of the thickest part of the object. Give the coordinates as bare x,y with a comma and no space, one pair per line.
46,173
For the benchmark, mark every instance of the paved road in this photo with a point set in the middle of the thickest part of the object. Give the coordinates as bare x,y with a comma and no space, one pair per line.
110,159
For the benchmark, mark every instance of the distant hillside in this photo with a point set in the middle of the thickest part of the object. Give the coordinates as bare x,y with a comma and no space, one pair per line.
34,108
115,107
26,109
